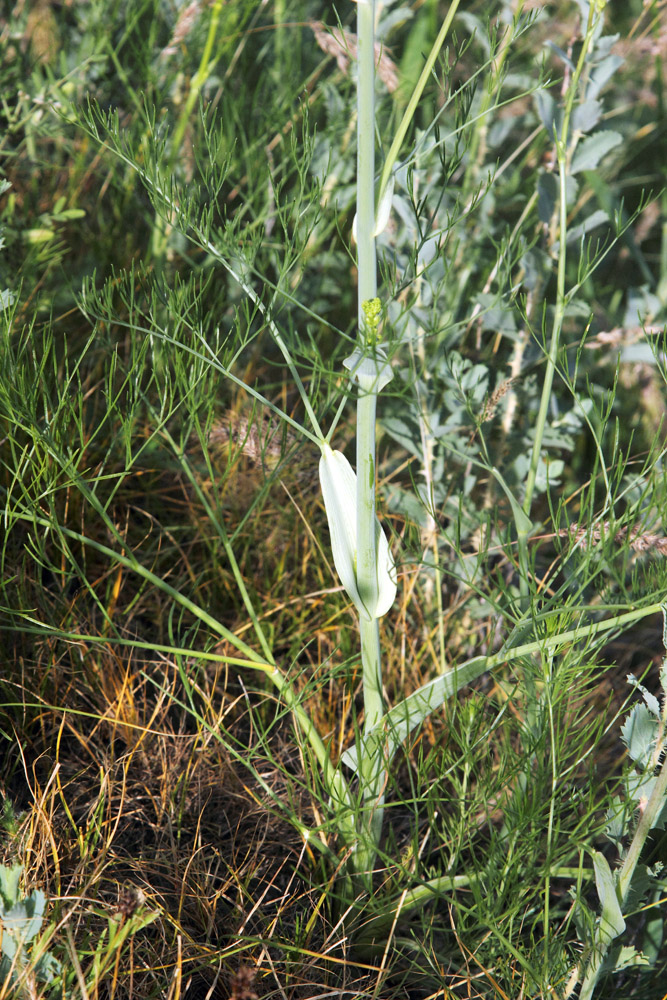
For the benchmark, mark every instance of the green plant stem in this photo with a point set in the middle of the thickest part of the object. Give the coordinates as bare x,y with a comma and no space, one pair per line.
371,770
602,941
162,225
399,722
224,538
431,891
366,254
198,81
367,582
548,694
430,530
491,93
409,112
561,143
552,355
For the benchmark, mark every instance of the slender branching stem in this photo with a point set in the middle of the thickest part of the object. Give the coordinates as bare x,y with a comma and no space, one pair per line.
562,153
415,97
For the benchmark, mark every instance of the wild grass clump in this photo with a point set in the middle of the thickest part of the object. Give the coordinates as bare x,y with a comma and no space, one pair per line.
331,408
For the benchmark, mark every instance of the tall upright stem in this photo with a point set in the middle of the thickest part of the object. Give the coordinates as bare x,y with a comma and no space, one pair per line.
366,403
366,257
563,152
370,821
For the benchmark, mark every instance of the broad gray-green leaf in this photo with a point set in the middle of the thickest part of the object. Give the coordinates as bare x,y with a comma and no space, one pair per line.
551,115
586,116
24,919
603,72
9,885
592,150
404,433
597,218
628,957
548,194
611,918
651,701
638,732
639,786
560,53
372,373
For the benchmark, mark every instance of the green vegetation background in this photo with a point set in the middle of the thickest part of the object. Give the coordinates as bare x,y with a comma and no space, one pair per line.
152,789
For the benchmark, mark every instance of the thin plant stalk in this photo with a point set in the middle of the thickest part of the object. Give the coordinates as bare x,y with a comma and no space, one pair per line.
415,97
366,409
602,938
562,154
206,65
367,289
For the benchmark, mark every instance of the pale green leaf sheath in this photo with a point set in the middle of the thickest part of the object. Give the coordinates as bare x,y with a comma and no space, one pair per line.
339,490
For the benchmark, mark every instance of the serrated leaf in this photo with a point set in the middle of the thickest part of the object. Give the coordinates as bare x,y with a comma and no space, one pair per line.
660,820
611,919
639,786
592,150
629,957
638,732
48,967
652,702
604,70
404,434
5,966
